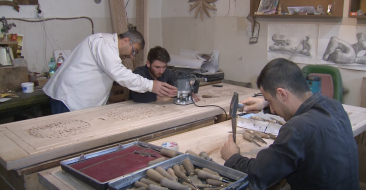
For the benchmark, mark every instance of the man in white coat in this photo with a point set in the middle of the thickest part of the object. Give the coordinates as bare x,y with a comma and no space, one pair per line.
85,79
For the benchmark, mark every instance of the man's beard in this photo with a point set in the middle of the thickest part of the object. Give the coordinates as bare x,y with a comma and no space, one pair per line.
153,74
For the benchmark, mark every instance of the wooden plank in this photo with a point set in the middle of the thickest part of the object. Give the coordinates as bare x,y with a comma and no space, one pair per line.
46,138
26,177
145,138
12,77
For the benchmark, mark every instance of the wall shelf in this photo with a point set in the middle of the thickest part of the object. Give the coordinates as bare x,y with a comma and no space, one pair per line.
337,8
298,16
354,6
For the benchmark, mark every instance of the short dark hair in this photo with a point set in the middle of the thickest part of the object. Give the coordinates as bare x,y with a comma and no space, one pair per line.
282,73
134,36
158,53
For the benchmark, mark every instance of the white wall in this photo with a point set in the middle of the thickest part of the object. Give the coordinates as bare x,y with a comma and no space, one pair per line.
239,60
155,23
59,34
68,34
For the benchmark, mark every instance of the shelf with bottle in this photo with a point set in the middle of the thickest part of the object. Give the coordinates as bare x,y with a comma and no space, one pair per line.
52,67
60,60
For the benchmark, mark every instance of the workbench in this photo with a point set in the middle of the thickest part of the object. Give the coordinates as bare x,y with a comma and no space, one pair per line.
209,139
165,119
29,146
37,99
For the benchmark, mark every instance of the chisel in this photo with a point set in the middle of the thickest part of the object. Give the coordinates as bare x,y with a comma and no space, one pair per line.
165,173
249,138
210,96
190,170
173,184
206,175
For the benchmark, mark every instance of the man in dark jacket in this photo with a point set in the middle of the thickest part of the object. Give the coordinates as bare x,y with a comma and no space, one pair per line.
315,149
155,69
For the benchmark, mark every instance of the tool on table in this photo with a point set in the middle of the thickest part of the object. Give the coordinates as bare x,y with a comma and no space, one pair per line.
181,175
185,84
263,135
140,188
206,175
173,184
210,96
140,184
146,154
256,135
165,173
250,138
157,187
210,171
154,175
163,151
183,169
189,185
190,170
192,153
278,121
253,134
147,181
152,162
171,172
216,182
204,155
178,172
232,113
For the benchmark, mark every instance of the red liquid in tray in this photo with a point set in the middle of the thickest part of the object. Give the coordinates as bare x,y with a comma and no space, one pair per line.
110,166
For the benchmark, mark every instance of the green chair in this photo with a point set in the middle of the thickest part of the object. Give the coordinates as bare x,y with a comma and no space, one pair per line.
336,77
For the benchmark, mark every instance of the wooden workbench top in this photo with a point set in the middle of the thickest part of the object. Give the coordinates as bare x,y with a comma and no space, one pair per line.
37,140
208,139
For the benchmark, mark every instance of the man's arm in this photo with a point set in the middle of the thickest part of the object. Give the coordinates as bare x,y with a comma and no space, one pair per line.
142,97
108,59
274,163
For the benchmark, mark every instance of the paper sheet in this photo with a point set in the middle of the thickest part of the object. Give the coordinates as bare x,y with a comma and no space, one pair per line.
180,61
4,99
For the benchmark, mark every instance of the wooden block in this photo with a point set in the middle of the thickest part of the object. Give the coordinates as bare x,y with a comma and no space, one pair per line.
12,77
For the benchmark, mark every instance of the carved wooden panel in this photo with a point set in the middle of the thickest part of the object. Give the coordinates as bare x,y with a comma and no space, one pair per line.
36,140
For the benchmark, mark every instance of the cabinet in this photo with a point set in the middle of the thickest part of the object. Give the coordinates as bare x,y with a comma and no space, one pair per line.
354,6
337,8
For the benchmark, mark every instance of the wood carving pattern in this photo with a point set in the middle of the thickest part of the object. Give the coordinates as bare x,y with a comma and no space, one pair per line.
226,92
60,129
130,113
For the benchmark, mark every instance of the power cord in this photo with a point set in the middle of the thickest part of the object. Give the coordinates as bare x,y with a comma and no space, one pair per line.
210,106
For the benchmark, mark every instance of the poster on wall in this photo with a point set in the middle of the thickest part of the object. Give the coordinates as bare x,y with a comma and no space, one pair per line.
342,46
295,42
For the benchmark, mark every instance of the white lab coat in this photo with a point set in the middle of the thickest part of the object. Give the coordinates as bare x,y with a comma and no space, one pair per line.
85,78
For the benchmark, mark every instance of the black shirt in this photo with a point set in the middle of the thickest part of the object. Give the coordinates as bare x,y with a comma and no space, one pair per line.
168,77
315,149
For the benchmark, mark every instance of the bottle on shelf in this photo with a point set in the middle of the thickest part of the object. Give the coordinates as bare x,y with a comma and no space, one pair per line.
52,66
60,60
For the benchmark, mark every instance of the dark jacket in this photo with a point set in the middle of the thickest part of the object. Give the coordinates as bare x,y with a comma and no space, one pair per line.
168,77
315,149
